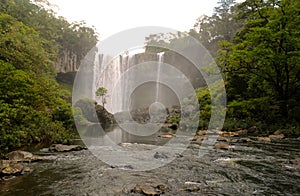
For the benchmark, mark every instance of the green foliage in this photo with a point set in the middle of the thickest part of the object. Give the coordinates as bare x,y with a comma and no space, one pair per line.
222,25
59,35
87,108
174,119
102,92
22,46
263,60
78,116
29,112
33,106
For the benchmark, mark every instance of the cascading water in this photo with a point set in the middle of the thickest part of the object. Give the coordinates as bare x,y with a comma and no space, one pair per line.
107,72
160,61
128,61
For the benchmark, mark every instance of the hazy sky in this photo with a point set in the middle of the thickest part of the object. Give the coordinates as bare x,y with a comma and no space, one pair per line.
112,16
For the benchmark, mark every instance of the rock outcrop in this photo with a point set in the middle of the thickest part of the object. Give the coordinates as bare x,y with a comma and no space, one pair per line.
295,161
264,139
95,113
105,118
23,156
147,189
15,164
65,148
9,168
278,136
222,146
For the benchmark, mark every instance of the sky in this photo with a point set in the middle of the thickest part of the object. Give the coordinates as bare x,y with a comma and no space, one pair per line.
112,16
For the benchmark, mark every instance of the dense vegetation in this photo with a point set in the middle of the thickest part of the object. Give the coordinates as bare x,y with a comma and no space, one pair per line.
34,107
256,46
254,43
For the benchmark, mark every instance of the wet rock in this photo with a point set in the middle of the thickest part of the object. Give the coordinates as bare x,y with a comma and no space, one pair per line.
227,134
279,136
295,161
223,139
146,189
26,169
254,130
241,132
23,156
166,135
160,155
8,168
264,139
105,118
162,187
198,138
222,146
7,177
172,126
192,188
65,148
202,132
245,140
125,167
278,132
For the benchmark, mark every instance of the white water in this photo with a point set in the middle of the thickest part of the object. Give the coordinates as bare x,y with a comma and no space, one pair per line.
107,72
160,61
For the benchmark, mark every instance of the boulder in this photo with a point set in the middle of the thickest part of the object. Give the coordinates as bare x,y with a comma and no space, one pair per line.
173,126
147,189
192,188
278,132
245,140
264,139
295,161
198,138
254,130
227,134
159,155
105,118
23,156
12,168
222,146
166,135
223,139
242,132
274,137
65,148
202,132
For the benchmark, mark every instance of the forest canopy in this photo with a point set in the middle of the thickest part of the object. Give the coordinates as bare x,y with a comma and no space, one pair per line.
34,107
256,45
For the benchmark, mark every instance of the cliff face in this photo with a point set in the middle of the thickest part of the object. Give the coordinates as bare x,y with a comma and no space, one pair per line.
67,62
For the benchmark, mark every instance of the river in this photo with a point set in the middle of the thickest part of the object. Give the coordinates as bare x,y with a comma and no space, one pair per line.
255,168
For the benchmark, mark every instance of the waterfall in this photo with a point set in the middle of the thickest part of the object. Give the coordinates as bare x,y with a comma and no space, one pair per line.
160,61
107,72
128,61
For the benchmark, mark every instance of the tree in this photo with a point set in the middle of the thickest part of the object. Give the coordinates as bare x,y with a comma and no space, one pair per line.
23,47
102,92
222,25
31,110
265,55
59,35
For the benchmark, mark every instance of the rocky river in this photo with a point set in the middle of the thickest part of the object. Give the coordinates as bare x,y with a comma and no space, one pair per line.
247,168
